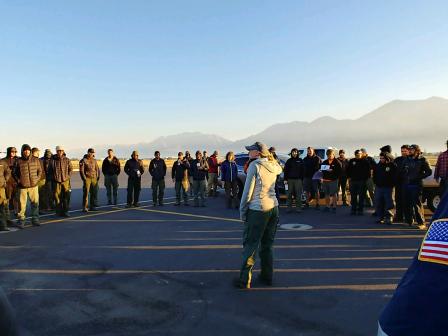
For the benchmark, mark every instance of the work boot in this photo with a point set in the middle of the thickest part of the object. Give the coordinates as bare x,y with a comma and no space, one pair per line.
20,224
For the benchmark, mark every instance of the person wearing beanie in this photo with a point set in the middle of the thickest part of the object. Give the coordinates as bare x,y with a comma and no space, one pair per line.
27,172
358,172
293,176
90,175
134,169
416,168
59,172
157,169
441,171
111,168
399,185
46,197
386,149
384,177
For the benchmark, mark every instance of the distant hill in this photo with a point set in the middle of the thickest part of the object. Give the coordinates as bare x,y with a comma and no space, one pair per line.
415,121
418,121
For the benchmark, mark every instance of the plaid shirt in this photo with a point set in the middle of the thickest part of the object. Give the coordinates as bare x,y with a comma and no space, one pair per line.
441,170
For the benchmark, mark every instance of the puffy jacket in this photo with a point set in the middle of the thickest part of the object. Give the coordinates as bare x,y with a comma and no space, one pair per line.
60,169
415,170
5,173
111,167
294,169
199,169
27,171
88,168
178,170
311,165
229,171
358,169
133,167
213,165
385,174
259,189
335,172
157,169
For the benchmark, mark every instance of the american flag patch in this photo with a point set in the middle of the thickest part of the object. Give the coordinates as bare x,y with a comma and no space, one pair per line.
435,245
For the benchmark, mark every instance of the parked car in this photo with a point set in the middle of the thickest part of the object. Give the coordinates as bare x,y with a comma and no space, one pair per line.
431,192
242,158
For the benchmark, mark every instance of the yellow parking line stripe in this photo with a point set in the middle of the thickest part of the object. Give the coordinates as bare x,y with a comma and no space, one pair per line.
118,272
343,259
308,238
376,287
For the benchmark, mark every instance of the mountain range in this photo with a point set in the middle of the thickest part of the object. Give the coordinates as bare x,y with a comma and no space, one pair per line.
424,122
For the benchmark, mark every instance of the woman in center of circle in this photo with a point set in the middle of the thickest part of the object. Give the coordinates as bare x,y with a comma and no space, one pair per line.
259,212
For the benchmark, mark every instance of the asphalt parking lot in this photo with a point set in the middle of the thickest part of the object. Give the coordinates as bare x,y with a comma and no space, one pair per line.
168,271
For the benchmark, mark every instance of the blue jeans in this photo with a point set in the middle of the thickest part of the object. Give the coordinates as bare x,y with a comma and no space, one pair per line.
384,203
413,209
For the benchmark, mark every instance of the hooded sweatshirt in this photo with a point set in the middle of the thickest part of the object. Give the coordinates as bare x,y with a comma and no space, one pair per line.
259,189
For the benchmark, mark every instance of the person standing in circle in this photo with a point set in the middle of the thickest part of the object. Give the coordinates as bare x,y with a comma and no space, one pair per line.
259,212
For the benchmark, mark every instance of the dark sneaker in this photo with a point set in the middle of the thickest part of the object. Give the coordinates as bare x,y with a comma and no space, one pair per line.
20,225
237,283
160,204
136,205
128,206
35,223
66,215
85,210
380,221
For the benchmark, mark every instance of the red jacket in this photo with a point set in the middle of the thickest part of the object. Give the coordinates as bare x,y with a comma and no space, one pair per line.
213,165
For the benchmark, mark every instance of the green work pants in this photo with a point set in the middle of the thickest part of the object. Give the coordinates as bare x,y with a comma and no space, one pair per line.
90,192
3,206
33,195
199,192
180,191
62,191
259,233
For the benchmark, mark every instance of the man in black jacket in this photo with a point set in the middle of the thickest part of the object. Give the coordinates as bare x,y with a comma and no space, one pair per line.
293,176
111,169
342,183
134,169
416,168
157,169
199,169
370,186
358,172
179,174
311,164
384,177
399,185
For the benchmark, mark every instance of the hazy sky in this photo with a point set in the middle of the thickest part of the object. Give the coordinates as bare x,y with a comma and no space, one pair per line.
107,72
